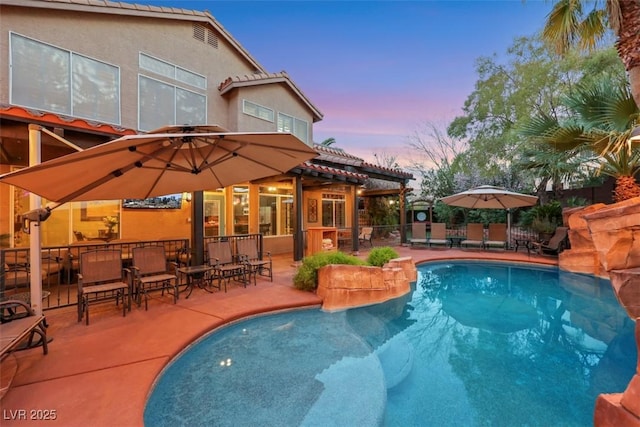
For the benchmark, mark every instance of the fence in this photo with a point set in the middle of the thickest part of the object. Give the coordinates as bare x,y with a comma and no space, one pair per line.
60,267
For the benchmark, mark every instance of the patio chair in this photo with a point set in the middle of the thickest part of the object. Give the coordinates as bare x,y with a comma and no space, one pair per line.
224,266
438,234
475,236
556,244
151,272
366,235
418,233
497,236
102,278
248,251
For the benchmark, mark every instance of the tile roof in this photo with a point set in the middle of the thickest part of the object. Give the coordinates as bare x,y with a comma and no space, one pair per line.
336,155
309,168
384,170
52,119
268,78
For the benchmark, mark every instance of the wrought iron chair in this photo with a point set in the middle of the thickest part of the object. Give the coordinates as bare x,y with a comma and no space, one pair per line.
152,272
248,251
224,265
102,278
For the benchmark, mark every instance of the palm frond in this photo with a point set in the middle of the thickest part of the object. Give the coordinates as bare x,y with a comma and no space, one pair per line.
591,29
562,24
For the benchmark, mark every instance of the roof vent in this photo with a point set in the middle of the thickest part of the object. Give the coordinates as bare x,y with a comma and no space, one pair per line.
198,32
205,35
212,38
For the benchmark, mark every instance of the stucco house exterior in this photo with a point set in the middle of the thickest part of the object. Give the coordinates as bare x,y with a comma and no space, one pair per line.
91,71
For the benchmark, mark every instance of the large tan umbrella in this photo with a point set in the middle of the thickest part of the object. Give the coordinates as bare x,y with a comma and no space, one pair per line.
169,160
490,197
157,164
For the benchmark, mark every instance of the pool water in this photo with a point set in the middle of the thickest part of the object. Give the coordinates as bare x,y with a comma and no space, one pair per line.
474,344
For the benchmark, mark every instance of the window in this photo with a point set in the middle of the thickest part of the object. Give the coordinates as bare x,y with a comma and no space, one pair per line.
170,71
297,127
162,104
258,111
58,80
276,211
240,209
333,210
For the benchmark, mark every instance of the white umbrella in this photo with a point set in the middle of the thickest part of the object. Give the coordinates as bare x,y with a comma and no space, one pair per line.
490,197
169,160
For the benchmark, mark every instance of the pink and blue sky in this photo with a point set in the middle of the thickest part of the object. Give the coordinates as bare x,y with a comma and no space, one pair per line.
378,70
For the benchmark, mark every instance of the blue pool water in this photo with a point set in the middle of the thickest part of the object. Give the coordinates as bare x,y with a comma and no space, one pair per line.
474,344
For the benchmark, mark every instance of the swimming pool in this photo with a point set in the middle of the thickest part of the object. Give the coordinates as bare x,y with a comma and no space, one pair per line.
475,343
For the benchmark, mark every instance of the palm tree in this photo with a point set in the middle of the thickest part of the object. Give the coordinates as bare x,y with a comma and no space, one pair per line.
603,117
568,24
328,142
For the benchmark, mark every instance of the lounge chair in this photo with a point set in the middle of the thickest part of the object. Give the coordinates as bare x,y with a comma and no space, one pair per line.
102,278
20,322
366,235
248,251
438,234
418,233
151,272
475,236
224,265
497,236
556,244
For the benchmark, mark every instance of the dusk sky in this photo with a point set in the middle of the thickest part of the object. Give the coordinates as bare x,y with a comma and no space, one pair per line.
377,70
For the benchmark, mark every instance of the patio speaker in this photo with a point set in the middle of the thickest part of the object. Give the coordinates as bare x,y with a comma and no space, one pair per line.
37,215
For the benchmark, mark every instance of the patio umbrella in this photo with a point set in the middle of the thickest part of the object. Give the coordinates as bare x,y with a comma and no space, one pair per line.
490,197
169,160
158,164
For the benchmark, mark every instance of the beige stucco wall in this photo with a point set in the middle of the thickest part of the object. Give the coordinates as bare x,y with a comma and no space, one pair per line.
118,40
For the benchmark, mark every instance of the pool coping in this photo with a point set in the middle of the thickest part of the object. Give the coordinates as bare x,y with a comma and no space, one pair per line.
103,373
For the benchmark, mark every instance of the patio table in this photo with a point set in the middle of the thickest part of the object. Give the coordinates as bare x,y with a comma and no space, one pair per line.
196,275
525,243
455,240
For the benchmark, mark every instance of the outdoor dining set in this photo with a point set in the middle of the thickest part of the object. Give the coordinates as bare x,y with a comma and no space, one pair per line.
102,275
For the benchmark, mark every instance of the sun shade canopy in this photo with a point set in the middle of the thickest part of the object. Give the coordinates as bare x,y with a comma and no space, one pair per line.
489,197
178,159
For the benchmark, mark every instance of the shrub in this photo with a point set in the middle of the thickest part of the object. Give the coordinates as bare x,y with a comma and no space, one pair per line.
306,277
381,255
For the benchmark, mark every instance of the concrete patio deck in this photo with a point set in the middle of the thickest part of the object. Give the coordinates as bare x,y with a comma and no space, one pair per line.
101,374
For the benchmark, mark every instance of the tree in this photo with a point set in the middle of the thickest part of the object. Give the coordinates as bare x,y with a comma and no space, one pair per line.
602,117
328,142
569,24
434,160
530,80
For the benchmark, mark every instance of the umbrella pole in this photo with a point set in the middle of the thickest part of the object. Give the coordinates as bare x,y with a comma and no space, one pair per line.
508,228
35,202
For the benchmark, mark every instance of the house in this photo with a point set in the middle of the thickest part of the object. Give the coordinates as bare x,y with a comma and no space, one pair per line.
89,72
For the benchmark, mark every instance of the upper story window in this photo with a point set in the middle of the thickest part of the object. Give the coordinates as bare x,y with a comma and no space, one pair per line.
258,111
162,103
49,78
173,72
298,127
